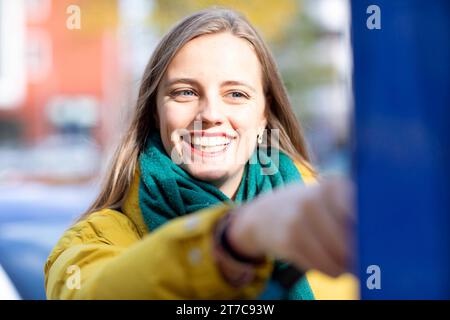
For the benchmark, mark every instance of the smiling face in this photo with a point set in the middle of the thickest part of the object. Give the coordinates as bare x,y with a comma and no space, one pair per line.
211,107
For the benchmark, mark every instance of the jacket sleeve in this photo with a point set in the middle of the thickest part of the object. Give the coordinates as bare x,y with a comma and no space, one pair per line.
103,257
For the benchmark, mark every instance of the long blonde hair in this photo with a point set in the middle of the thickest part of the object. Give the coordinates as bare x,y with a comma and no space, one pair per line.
214,20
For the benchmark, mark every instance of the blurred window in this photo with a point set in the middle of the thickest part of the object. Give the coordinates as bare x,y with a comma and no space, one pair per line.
39,55
12,44
38,10
10,131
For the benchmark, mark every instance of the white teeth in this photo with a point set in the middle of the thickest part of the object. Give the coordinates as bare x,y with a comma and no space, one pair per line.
212,149
208,142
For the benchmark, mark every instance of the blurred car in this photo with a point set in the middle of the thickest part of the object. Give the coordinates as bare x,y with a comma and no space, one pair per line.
7,289
43,189
61,158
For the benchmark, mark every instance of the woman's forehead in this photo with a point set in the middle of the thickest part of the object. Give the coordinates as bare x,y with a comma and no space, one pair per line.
221,56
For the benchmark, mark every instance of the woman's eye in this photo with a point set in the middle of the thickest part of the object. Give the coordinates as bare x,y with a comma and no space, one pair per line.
184,93
237,95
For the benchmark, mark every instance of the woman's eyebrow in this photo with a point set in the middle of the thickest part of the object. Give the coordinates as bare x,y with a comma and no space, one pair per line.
182,80
194,82
238,83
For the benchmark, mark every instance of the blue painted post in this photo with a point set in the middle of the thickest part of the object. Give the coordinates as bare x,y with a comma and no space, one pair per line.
402,147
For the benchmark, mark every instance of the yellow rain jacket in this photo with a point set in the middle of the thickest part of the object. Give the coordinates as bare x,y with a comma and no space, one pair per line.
112,255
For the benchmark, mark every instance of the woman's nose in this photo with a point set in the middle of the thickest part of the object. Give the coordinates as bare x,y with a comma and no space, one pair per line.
211,111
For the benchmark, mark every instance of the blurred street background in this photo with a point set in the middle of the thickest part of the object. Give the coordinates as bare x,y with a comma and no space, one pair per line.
66,92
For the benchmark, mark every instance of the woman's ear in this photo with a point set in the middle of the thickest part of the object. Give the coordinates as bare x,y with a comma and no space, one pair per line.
262,125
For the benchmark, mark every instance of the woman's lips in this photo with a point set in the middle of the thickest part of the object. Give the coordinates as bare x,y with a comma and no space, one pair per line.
215,151
208,151
207,144
212,134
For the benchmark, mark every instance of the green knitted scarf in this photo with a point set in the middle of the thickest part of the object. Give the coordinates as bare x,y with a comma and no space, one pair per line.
167,191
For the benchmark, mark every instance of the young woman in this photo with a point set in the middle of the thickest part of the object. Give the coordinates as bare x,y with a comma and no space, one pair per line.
206,196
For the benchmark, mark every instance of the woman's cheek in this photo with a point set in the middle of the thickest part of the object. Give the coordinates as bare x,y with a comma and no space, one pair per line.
177,119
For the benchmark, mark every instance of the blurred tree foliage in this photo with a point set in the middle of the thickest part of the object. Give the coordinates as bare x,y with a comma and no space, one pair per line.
271,17
97,16
290,31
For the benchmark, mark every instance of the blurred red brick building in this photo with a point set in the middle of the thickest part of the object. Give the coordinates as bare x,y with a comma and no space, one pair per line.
54,76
